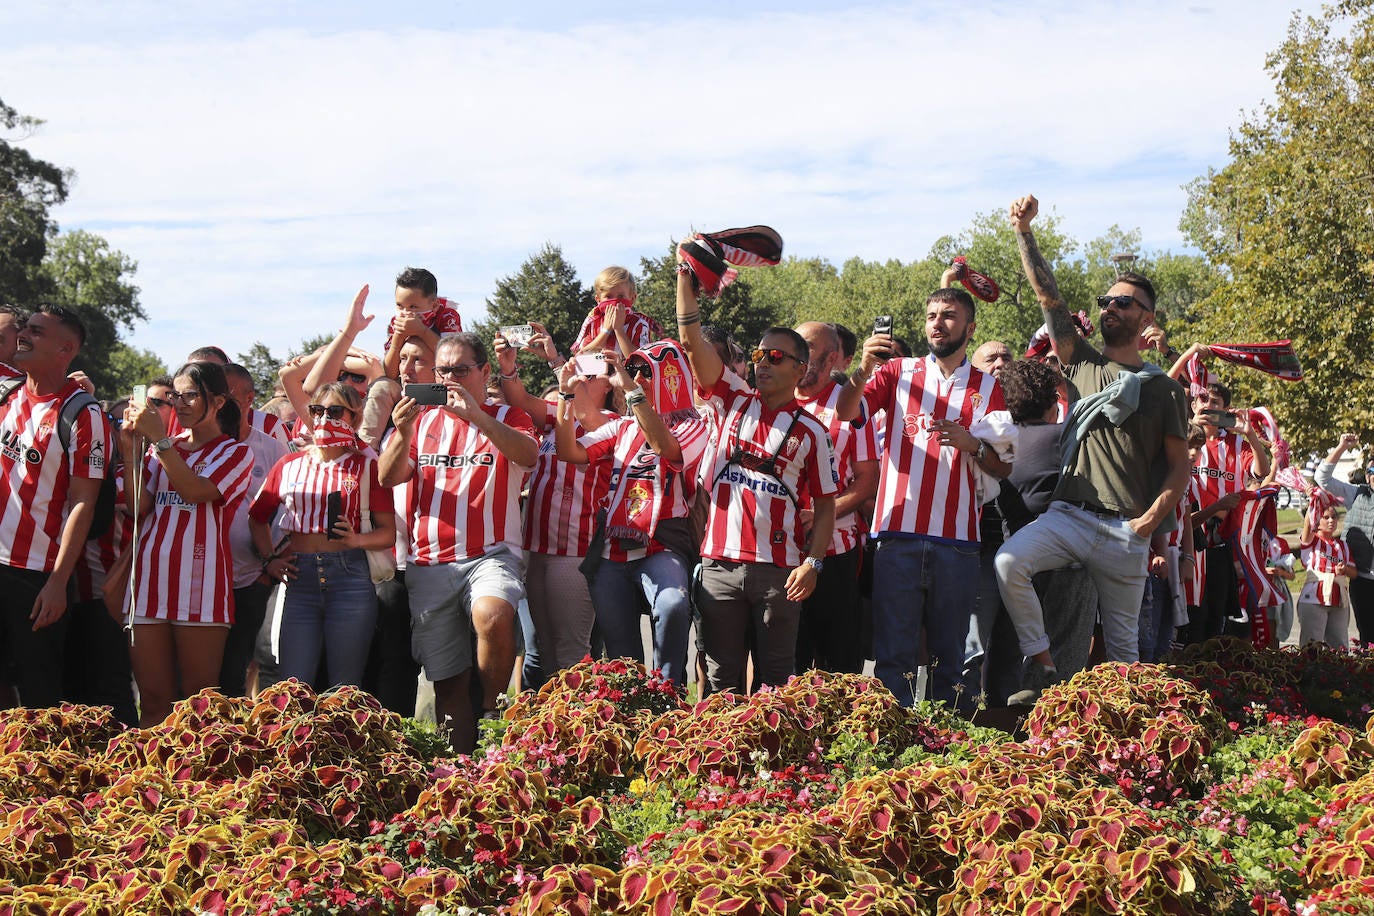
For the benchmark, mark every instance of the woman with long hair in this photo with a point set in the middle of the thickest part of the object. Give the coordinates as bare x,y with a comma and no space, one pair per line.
330,600
184,597
653,454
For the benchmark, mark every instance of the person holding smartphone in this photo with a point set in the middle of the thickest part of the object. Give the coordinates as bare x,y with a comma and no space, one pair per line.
183,566
652,456
330,601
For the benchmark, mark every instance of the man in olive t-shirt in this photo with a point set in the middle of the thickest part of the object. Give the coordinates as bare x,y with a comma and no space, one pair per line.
1128,471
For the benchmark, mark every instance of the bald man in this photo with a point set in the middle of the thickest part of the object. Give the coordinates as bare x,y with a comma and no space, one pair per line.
828,636
991,357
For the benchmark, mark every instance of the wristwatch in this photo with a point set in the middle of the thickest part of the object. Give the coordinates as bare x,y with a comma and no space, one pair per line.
163,444
982,450
815,563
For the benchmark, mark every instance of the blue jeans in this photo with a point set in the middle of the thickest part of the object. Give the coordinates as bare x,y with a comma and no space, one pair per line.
330,603
919,583
662,579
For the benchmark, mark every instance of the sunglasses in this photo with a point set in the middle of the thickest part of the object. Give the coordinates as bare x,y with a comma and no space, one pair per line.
1120,303
460,371
774,356
640,370
335,411
158,402
184,397
354,377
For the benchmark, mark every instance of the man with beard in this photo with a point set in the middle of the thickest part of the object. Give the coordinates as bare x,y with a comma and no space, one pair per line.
1125,460
948,439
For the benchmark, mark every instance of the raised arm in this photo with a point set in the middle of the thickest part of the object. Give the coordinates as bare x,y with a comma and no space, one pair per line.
656,432
331,362
705,360
1181,364
512,389
1063,335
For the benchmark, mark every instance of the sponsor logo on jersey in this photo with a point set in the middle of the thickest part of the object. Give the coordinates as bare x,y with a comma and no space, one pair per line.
457,462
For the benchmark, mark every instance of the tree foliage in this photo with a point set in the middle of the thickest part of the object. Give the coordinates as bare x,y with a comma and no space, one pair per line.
29,188
545,289
85,274
1289,221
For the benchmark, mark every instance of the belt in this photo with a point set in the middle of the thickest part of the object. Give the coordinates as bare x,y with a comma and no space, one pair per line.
1095,509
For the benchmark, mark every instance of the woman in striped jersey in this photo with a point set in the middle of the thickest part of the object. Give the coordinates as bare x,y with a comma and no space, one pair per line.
184,599
330,601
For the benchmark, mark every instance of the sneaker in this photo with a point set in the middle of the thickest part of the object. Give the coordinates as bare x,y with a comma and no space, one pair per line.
1037,678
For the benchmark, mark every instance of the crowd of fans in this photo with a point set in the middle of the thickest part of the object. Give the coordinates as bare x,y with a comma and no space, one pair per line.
806,501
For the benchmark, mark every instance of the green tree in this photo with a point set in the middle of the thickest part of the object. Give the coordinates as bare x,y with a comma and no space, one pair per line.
129,366
545,289
263,366
1288,220
29,188
87,275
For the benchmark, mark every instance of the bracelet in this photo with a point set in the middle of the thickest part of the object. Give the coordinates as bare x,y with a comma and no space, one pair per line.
635,398
566,395
684,268
509,378
561,363
858,377
689,318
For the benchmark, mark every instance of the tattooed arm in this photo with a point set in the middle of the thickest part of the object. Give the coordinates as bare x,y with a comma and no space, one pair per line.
1063,334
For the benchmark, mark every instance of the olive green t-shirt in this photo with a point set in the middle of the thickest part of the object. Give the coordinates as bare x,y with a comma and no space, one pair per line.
1122,468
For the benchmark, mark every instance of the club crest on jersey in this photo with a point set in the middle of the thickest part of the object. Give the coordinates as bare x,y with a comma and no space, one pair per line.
672,377
789,448
975,399
637,499
350,483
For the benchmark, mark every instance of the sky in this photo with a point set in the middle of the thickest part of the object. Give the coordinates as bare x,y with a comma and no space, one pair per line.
262,160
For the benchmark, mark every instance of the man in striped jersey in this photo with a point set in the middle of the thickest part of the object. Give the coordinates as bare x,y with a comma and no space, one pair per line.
829,636
948,438
464,572
1125,459
757,564
47,500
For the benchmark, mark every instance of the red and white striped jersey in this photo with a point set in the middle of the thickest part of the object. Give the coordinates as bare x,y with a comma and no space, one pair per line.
35,474
442,319
753,513
560,510
645,489
926,489
639,328
88,578
466,493
8,371
184,567
850,445
270,425
1224,466
1325,585
300,485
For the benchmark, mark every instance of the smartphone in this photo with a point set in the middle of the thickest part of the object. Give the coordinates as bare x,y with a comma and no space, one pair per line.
518,335
592,364
434,395
1221,419
883,325
140,396
333,511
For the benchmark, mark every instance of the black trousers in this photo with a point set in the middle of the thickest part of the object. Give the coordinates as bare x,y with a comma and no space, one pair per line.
34,658
829,635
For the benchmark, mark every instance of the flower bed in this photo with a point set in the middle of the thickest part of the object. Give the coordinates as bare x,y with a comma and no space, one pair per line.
1138,789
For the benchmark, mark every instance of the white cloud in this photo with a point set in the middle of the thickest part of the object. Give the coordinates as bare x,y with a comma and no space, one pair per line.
293,166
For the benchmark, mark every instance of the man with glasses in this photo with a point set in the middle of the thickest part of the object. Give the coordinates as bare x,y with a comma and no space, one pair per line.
464,571
1125,460
770,457
948,440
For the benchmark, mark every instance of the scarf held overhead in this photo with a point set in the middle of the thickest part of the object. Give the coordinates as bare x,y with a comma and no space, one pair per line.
708,254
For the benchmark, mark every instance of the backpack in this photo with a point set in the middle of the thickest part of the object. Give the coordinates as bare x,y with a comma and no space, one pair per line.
71,409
